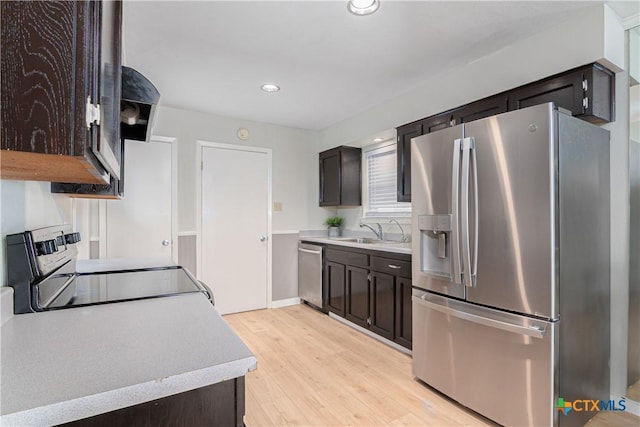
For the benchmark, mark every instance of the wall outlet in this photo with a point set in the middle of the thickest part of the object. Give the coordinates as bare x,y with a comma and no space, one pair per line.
277,206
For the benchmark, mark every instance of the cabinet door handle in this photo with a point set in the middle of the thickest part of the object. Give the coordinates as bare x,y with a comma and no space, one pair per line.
395,267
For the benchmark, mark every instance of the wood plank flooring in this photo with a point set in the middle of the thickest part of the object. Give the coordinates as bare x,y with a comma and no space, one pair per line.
315,371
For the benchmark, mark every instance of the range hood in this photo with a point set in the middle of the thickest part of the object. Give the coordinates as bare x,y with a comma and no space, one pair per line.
138,102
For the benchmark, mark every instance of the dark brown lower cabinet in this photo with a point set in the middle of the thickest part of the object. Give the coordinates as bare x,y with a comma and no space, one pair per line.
335,282
371,289
403,311
383,304
358,299
221,404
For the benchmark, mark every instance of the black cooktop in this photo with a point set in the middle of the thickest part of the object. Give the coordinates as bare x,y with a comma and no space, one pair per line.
41,270
100,288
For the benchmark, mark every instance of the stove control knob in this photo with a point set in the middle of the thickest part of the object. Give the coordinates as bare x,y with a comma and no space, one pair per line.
46,247
72,238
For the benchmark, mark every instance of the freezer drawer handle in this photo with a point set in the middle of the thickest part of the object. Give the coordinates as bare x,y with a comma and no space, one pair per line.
532,331
395,267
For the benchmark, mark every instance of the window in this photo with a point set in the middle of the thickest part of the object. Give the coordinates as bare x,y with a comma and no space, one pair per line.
380,172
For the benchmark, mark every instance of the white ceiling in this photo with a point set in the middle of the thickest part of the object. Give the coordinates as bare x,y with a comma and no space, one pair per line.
213,56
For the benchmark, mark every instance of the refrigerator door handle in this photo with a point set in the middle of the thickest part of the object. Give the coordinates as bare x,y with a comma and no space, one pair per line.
464,214
474,165
533,331
455,235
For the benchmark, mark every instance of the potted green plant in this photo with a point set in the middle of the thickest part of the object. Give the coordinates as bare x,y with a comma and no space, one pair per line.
334,223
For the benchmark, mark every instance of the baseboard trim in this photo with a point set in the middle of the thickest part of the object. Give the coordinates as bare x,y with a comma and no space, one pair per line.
371,334
285,302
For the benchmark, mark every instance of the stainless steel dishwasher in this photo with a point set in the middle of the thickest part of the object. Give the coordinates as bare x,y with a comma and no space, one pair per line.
310,273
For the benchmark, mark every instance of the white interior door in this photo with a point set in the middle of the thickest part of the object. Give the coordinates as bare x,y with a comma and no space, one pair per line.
235,226
139,225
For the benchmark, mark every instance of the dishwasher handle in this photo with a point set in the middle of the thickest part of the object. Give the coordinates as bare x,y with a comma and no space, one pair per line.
309,251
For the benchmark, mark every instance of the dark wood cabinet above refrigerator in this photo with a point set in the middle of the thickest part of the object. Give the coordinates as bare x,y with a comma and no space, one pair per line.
587,92
60,84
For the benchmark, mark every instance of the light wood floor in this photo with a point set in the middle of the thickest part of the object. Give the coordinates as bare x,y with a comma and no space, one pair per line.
315,371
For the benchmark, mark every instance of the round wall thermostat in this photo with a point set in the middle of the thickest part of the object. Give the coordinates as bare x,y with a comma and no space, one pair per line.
243,134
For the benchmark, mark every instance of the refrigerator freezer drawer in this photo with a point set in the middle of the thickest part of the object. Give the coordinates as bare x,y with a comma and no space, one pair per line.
499,364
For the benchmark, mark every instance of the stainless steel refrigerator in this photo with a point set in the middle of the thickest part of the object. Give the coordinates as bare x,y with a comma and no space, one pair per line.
511,264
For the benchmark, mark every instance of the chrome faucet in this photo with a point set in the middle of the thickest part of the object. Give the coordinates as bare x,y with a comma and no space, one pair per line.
404,238
377,233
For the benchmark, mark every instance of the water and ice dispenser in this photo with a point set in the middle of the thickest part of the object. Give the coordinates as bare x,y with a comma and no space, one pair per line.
435,245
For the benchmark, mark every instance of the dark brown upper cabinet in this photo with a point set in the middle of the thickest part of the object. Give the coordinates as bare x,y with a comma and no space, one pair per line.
60,84
404,135
587,92
139,98
479,110
340,177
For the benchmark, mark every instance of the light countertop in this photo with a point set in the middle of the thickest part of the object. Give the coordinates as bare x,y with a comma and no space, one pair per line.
64,365
385,246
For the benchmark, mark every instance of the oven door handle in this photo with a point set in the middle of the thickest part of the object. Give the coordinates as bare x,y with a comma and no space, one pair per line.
207,289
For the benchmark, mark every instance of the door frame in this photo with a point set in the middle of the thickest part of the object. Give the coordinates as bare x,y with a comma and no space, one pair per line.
102,206
200,146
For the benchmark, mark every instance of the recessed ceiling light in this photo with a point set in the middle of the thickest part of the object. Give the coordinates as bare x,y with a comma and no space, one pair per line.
378,139
363,7
270,87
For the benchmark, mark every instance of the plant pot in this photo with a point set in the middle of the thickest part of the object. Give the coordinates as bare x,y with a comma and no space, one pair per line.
334,232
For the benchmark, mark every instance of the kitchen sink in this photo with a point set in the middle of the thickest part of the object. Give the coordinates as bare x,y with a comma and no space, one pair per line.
364,240
356,239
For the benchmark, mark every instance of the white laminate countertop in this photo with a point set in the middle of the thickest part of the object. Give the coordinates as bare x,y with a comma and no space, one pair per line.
385,246
63,365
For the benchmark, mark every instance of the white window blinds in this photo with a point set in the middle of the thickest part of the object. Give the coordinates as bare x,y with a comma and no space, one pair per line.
381,175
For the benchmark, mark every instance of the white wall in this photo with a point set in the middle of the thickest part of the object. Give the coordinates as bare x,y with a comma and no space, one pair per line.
295,177
576,42
619,166
11,217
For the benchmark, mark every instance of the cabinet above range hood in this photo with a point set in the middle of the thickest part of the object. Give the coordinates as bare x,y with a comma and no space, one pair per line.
138,102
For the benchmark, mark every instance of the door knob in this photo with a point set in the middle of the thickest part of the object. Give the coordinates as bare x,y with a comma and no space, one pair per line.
263,238
165,243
